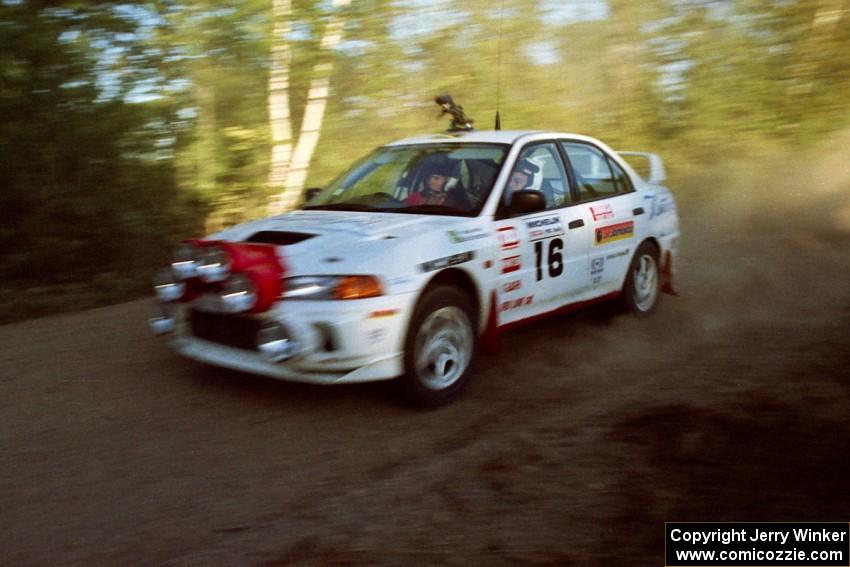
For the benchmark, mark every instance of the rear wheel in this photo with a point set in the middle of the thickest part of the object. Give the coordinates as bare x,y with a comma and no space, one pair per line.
643,282
440,347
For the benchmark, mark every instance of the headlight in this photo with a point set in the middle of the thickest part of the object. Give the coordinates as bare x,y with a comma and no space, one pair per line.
309,287
331,287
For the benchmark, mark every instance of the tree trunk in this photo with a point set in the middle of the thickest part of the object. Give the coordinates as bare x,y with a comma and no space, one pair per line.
205,150
279,116
311,125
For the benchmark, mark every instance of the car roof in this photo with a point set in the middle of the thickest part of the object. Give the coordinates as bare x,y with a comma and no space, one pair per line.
484,137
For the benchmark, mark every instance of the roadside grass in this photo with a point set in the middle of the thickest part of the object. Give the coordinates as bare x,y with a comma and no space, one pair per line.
19,302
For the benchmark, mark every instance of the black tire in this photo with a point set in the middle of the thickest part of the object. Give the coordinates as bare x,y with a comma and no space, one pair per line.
441,345
642,288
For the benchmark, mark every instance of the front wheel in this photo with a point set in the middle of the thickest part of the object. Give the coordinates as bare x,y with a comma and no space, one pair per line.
439,348
642,287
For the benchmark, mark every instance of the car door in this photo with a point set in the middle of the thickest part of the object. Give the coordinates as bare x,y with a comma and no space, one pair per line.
543,254
606,195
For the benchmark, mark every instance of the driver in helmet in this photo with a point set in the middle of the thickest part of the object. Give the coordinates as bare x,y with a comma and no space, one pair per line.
436,189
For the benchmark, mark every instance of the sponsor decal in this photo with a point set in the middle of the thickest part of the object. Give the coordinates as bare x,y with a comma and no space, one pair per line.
514,303
511,286
374,336
511,264
399,280
597,267
466,234
544,227
618,254
602,212
614,232
446,261
508,237
659,204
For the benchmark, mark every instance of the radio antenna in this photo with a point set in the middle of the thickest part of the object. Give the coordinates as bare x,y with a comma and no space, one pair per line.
499,68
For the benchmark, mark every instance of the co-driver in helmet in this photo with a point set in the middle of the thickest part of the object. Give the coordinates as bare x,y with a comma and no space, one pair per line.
521,178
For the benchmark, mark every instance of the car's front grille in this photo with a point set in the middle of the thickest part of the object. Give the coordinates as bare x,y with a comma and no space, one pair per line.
231,330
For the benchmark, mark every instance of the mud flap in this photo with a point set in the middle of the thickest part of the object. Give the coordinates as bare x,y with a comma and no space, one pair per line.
667,275
491,340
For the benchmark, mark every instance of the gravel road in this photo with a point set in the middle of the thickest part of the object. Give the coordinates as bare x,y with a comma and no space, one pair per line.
571,447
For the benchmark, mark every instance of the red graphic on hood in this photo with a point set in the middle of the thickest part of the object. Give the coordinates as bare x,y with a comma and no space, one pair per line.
258,262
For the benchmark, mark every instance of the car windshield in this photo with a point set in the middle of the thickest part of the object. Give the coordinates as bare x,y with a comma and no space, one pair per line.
441,179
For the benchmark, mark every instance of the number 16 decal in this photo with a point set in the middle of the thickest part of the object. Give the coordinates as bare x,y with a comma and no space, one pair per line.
555,261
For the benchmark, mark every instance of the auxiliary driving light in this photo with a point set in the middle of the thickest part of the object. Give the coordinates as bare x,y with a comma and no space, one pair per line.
164,321
238,294
167,289
213,264
184,263
276,344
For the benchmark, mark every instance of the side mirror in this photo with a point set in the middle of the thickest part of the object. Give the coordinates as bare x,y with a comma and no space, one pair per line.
527,201
310,193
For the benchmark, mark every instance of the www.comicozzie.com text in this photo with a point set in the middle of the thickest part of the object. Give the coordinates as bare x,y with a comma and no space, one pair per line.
732,535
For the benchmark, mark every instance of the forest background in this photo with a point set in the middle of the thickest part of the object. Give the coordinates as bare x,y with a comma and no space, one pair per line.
127,126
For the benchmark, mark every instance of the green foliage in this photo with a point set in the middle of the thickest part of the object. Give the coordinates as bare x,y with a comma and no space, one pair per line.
84,191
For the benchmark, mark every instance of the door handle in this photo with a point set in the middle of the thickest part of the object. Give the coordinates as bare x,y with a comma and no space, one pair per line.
578,223
637,211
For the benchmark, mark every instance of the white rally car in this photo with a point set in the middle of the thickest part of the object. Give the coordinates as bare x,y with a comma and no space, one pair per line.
421,253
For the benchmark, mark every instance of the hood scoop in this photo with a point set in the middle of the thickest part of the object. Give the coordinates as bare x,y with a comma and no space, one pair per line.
278,238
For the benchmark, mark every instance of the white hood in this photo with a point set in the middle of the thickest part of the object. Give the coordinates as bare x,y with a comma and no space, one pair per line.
346,241
359,225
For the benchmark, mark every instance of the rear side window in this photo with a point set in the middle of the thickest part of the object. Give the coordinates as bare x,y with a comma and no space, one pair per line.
621,180
596,175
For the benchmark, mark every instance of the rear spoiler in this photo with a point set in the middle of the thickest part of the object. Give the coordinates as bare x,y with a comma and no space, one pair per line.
657,174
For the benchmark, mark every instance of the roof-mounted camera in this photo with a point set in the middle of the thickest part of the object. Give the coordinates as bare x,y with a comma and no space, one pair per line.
460,121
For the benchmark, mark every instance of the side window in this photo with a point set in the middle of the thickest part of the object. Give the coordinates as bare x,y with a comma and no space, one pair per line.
539,167
594,177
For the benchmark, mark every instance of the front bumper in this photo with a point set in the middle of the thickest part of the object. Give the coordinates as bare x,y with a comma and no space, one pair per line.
337,341
371,368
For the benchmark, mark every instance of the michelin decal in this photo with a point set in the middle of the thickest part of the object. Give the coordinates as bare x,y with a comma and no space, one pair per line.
544,227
